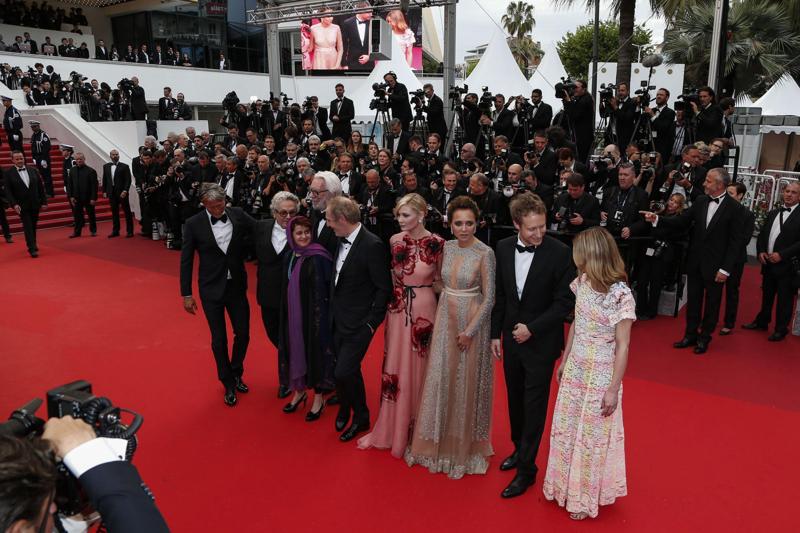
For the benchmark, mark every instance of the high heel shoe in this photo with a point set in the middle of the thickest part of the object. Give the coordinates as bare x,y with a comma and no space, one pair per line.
292,407
311,416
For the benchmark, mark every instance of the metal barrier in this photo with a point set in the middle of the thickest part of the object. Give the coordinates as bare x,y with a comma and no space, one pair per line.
784,177
759,197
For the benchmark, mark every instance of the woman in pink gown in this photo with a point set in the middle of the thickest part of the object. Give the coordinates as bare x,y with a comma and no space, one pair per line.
416,261
325,45
586,466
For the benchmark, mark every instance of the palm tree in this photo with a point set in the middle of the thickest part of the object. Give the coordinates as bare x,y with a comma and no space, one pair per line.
518,20
762,46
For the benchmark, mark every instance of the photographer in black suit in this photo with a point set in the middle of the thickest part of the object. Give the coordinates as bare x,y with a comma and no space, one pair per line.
580,109
716,229
138,101
541,114
81,185
116,185
662,123
219,236
342,114
575,210
542,159
25,193
531,302
708,116
620,208
434,110
398,99
355,41
362,287
624,114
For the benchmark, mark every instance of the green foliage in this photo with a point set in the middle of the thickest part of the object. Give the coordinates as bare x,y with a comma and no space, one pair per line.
518,19
575,48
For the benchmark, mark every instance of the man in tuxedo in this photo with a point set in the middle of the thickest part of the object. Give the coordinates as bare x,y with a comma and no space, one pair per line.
624,114
219,236
275,120
398,138
541,114
166,105
26,195
100,50
398,99
662,123
342,113
580,110
324,187
778,249
355,41
116,185
362,287
352,182
532,300
157,57
716,229
144,55
737,191
319,118
82,193
434,108
543,160
442,196
271,250
708,116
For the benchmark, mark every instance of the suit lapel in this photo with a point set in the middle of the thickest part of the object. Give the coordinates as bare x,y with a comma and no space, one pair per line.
537,265
722,206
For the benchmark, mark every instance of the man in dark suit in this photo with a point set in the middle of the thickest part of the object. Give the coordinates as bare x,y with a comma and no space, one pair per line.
100,50
352,182
342,113
737,191
685,176
319,117
324,187
543,160
219,236
377,202
622,203
157,57
271,250
40,153
355,41
778,249
275,121
26,195
398,138
166,105
434,109
580,110
708,116
575,209
624,114
138,102
116,186
442,196
541,113
532,300
81,185
361,290
714,246
503,117
144,55
662,123
398,99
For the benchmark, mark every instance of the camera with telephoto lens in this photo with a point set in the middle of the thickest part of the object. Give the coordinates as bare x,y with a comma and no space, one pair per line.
605,94
456,91
600,162
258,202
565,87
418,98
657,206
308,103
644,94
125,84
684,103
76,400
486,101
380,102
286,173
659,247
230,102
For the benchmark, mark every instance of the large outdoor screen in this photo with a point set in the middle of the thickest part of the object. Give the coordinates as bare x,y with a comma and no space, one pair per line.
342,42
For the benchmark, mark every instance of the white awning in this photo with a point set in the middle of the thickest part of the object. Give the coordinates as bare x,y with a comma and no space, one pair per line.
766,128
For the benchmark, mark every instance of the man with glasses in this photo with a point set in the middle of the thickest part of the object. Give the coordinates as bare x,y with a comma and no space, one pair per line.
271,247
325,186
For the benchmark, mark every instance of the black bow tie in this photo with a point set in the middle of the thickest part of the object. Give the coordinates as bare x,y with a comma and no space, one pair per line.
344,175
523,249
345,241
23,169
786,209
361,21
223,218
716,200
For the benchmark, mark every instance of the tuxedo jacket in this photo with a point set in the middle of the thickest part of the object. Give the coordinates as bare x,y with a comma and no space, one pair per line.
438,197
326,237
122,180
81,183
402,147
546,298
346,114
542,119
165,105
214,263
322,120
356,183
663,127
716,246
270,265
100,53
118,493
436,121
384,201
788,242
364,287
504,124
354,46
626,116
399,102
587,206
546,169
709,124
31,197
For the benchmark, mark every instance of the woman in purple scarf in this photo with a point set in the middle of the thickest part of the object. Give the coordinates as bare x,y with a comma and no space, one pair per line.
305,343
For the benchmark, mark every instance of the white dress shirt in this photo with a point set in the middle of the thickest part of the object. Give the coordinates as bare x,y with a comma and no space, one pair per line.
223,232
278,238
362,29
345,179
23,174
94,453
713,206
522,265
775,230
344,249
113,172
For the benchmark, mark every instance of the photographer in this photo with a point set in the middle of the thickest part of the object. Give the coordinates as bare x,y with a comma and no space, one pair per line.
575,210
377,202
685,177
320,160
398,138
728,107
603,170
398,99
471,117
182,110
502,117
662,122
567,163
542,159
621,204
624,115
28,480
541,113
708,116
166,105
490,204
318,116
579,108
648,170
183,199
276,122
442,196
503,158
137,100
434,109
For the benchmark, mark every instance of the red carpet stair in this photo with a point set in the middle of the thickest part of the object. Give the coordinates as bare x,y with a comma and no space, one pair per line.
58,213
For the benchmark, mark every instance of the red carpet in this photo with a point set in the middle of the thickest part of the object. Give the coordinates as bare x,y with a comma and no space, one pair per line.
711,440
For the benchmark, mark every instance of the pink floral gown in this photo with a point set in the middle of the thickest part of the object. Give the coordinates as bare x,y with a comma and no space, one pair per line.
409,325
586,466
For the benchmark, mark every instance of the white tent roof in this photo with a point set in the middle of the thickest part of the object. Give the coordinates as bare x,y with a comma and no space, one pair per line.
550,69
781,98
364,94
498,71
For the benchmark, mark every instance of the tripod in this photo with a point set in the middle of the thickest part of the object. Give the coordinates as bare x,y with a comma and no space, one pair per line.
419,126
382,118
454,139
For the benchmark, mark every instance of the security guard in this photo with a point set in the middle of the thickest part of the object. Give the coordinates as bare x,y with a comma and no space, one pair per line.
40,149
12,123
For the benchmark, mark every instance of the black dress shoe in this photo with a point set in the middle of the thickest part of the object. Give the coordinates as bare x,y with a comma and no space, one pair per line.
9,240
726,331
518,486
94,234
777,336
34,254
240,385
351,432
283,392
129,236
702,347
230,397
312,416
342,419
112,235
685,342
73,235
333,400
292,407
754,325
509,462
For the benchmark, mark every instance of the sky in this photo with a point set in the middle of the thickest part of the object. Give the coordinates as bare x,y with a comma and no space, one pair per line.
474,28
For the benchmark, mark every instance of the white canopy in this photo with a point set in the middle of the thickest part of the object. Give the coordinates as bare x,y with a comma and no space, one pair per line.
781,98
550,69
498,71
364,94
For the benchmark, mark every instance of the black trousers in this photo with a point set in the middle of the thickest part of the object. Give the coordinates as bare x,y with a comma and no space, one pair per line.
528,387
117,202
4,222
271,318
77,213
234,301
145,222
29,218
773,286
732,296
702,308
43,166
178,213
350,349
651,272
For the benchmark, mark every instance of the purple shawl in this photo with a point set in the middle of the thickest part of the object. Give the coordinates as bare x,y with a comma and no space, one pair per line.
297,349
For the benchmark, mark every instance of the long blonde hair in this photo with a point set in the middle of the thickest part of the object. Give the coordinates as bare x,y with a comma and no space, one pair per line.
397,20
595,254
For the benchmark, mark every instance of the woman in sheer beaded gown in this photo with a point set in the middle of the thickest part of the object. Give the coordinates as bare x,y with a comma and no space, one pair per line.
452,431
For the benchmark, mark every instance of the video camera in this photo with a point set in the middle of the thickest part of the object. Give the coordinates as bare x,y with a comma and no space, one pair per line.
486,101
565,87
684,103
418,98
76,400
380,102
456,91
230,102
644,94
308,103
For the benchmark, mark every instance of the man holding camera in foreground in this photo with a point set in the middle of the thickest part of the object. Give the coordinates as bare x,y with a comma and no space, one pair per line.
28,480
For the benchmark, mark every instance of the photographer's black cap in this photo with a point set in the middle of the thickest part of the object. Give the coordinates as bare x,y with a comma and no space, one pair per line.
67,147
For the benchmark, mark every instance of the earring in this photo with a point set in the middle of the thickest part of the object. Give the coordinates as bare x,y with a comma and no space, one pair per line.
420,221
